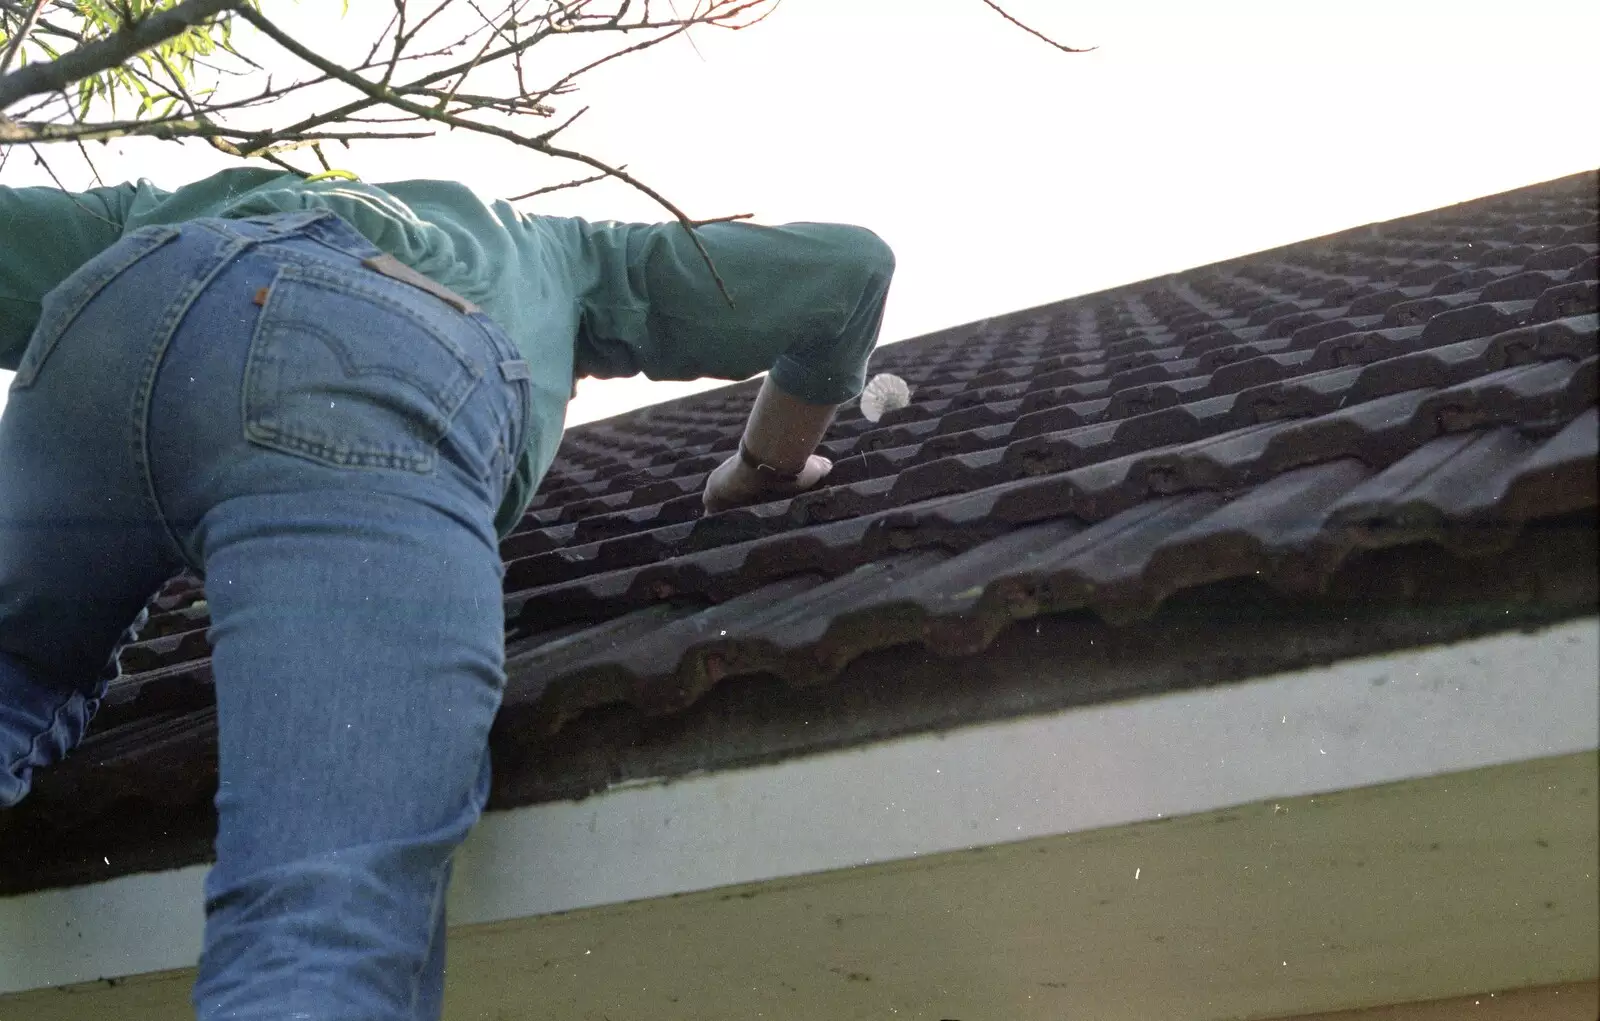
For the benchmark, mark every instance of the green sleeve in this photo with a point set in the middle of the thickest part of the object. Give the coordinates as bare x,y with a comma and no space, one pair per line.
45,235
807,302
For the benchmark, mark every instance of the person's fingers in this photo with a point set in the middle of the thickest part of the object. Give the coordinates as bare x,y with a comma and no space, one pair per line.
712,497
816,469
724,488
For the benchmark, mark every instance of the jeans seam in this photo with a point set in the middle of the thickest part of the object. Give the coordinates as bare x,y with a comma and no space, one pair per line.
522,389
48,334
435,905
170,321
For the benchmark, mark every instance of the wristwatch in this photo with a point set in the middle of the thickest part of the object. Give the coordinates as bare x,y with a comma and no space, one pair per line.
765,471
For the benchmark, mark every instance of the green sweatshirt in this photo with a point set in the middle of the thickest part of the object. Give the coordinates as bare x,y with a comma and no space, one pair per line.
578,298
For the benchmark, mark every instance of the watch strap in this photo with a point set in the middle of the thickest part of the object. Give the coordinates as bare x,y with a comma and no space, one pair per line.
766,471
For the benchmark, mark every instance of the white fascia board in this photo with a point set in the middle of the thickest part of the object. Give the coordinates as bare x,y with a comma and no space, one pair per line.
1424,712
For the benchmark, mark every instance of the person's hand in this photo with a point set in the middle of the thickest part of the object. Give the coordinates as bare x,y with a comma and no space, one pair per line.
735,484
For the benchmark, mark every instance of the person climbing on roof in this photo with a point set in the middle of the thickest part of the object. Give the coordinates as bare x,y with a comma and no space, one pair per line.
331,400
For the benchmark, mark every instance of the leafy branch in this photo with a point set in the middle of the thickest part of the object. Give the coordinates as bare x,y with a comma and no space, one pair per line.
423,72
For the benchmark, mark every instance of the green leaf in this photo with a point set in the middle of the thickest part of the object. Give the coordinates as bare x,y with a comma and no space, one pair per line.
134,83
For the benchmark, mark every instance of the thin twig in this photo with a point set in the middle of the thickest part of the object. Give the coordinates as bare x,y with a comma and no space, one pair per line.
427,18
494,33
723,10
613,55
506,104
1033,32
177,83
730,218
21,35
400,8
377,43
538,144
673,7
281,163
547,189
41,161
661,200
93,170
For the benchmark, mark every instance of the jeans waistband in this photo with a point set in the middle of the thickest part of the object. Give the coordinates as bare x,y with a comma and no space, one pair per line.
329,230
320,225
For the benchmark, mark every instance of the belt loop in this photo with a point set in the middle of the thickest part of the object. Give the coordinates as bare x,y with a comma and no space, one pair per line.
515,368
337,233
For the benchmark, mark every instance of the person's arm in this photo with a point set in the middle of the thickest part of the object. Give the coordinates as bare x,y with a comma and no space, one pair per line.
45,235
807,302
775,453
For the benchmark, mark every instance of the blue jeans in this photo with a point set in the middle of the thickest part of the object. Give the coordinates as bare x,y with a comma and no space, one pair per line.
327,447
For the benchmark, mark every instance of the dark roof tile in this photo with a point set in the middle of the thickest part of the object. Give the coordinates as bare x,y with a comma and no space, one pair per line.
1428,380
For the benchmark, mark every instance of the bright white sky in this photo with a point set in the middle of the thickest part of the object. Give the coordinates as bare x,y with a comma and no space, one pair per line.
1006,174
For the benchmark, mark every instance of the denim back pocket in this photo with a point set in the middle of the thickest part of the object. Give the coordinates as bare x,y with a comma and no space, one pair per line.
68,299
346,374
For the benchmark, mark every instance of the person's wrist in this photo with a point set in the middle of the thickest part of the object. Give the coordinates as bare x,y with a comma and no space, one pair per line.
766,470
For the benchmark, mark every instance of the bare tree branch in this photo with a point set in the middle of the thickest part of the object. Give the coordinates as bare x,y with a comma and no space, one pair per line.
567,79
155,56
488,41
1033,32
41,161
13,132
576,183
538,143
721,10
420,25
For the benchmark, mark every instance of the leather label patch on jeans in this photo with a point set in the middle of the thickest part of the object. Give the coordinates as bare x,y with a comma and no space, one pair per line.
393,268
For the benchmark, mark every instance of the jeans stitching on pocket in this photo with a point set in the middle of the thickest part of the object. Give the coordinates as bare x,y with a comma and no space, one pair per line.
447,401
53,325
344,286
177,308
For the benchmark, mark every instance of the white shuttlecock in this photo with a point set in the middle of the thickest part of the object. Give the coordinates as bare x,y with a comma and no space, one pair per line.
884,392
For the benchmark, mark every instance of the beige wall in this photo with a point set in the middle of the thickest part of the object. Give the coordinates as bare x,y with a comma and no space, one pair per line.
1407,892
1579,1001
